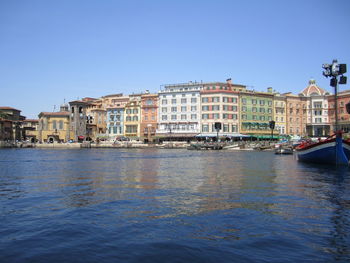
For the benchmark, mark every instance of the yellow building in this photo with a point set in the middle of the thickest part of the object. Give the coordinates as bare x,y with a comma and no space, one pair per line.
280,114
54,127
132,117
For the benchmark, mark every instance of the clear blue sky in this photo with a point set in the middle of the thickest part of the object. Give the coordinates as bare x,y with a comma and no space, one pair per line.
51,50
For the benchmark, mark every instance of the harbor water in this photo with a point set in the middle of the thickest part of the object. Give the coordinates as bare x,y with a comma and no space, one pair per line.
170,205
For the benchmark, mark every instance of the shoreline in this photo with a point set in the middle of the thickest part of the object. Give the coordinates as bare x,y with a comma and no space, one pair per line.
128,145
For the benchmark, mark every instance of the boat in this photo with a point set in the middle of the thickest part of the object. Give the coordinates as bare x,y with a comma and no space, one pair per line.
284,150
346,147
333,150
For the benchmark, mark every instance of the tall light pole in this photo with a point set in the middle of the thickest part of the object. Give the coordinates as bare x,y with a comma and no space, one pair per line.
333,71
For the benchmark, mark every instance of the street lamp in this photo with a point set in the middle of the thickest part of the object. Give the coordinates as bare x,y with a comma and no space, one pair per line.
333,71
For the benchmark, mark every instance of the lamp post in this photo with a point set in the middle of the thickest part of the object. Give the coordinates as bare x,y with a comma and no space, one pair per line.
333,71
272,127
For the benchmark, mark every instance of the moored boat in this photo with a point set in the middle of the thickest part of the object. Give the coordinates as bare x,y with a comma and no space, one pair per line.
329,151
284,150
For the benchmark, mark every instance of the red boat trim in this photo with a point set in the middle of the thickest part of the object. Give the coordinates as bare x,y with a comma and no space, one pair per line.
306,146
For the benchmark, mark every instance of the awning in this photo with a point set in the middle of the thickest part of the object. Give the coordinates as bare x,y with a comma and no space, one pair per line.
230,135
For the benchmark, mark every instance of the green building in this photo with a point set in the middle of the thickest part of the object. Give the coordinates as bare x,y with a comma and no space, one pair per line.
256,110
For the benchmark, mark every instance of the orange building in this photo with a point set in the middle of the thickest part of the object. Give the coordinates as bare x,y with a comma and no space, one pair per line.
296,110
149,113
343,116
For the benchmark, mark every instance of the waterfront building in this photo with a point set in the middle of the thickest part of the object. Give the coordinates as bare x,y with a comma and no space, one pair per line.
280,114
256,111
95,118
219,103
317,123
115,108
132,117
343,115
6,132
78,120
54,127
13,115
179,111
30,129
296,109
149,113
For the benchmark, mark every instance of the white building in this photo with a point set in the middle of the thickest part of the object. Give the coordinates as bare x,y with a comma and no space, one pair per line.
179,110
317,122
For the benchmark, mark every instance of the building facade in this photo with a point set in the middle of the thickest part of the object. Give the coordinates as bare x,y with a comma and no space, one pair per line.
132,117
179,111
343,115
280,114
220,103
317,122
115,115
54,127
78,120
149,116
256,111
14,116
296,113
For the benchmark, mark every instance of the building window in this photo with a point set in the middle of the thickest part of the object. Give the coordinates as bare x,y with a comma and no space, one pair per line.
60,125
193,100
205,116
193,108
205,99
164,102
183,108
262,102
244,108
216,116
193,116
216,99
164,117
205,128
173,117
244,101
234,128
234,100
173,109
183,101
225,128
164,109
205,108
216,107
173,101
54,125
234,108
254,101
183,116
234,116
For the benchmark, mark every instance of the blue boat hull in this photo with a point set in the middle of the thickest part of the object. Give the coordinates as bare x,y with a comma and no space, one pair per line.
346,148
331,152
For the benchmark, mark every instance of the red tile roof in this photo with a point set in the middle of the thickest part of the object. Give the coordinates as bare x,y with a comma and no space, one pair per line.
8,108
